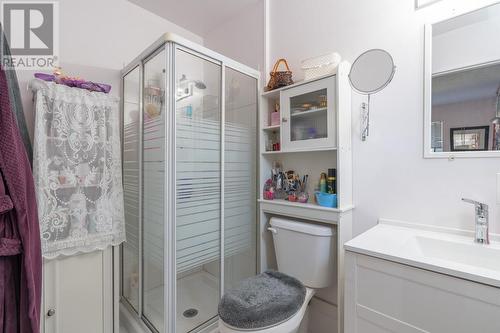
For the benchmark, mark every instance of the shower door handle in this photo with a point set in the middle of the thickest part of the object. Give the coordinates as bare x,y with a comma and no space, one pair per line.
273,230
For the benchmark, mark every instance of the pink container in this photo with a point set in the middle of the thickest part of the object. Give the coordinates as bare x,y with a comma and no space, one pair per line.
275,118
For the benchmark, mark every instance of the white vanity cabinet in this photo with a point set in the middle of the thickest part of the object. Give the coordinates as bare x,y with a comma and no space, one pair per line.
309,115
382,297
403,277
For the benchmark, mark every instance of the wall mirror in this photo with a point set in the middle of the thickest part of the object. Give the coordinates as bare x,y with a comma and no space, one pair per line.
462,86
371,72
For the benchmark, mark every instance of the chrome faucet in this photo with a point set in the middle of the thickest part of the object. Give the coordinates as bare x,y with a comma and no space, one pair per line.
481,233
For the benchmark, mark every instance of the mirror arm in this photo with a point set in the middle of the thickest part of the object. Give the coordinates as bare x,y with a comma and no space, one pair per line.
365,119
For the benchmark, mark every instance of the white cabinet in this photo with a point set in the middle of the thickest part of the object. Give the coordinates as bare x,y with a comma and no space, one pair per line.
309,115
311,132
306,127
78,294
383,296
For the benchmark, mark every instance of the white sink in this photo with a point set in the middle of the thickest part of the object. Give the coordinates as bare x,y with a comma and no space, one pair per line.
456,252
447,251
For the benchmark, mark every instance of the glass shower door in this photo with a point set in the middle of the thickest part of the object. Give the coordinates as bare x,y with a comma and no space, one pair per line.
131,184
198,178
154,141
240,174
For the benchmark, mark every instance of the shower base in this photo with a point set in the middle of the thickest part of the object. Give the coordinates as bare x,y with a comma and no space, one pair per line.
198,290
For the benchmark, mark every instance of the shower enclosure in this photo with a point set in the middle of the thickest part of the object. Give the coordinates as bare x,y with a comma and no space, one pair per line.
189,174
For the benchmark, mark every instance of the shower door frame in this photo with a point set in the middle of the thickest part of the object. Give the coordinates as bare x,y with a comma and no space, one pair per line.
171,43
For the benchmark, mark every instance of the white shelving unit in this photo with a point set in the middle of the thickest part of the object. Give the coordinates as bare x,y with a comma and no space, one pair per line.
309,149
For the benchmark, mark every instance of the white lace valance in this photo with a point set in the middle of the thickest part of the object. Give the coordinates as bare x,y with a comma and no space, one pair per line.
77,169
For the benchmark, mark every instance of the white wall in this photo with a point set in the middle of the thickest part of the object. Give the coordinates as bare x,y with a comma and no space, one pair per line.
98,38
241,38
391,177
471,44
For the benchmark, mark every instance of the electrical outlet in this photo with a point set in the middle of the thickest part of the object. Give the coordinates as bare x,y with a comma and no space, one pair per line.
498,188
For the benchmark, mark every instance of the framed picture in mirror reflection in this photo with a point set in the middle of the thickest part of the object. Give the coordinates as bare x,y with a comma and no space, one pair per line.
469,138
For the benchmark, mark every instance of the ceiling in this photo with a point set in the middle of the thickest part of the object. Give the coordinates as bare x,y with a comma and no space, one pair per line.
466,85
197,16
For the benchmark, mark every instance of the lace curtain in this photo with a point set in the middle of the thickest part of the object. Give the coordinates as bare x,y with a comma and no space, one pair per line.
77,169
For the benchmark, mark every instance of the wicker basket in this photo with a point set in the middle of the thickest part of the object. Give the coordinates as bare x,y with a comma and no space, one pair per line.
319,66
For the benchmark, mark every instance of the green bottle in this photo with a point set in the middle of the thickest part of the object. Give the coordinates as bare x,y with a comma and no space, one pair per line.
322,183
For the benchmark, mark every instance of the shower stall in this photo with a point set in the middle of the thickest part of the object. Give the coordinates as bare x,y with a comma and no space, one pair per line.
189,175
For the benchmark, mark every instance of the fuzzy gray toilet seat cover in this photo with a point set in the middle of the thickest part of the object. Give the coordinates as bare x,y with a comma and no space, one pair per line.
261,301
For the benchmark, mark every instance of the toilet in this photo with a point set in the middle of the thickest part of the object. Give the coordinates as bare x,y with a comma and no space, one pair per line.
305,263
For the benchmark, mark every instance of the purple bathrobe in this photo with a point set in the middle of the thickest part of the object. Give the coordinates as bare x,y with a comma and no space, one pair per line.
20,252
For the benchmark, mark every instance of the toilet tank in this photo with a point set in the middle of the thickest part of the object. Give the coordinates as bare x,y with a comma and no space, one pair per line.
305,251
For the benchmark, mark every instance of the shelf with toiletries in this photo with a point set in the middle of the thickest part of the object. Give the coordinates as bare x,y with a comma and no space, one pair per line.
295,180
311,123
298,151
285,203
271,127
303,211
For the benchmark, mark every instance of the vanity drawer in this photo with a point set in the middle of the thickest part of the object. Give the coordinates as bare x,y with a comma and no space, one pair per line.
399,298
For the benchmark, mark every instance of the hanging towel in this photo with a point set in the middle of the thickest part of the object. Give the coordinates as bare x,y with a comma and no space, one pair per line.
15,98
77,169
20,253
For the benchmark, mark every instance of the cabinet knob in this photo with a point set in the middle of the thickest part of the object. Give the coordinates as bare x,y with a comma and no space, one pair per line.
51,312
284,119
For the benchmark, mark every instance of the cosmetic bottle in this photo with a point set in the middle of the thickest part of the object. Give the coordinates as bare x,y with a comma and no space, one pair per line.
322,183
332,181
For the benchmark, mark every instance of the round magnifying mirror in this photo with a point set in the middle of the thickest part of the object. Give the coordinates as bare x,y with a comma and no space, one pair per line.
372,71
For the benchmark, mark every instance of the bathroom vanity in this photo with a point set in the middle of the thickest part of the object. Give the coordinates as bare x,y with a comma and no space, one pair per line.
403,277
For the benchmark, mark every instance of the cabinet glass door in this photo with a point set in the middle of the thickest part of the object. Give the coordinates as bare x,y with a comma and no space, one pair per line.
309,115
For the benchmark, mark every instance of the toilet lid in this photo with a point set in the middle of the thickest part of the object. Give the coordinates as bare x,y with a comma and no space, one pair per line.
261,301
